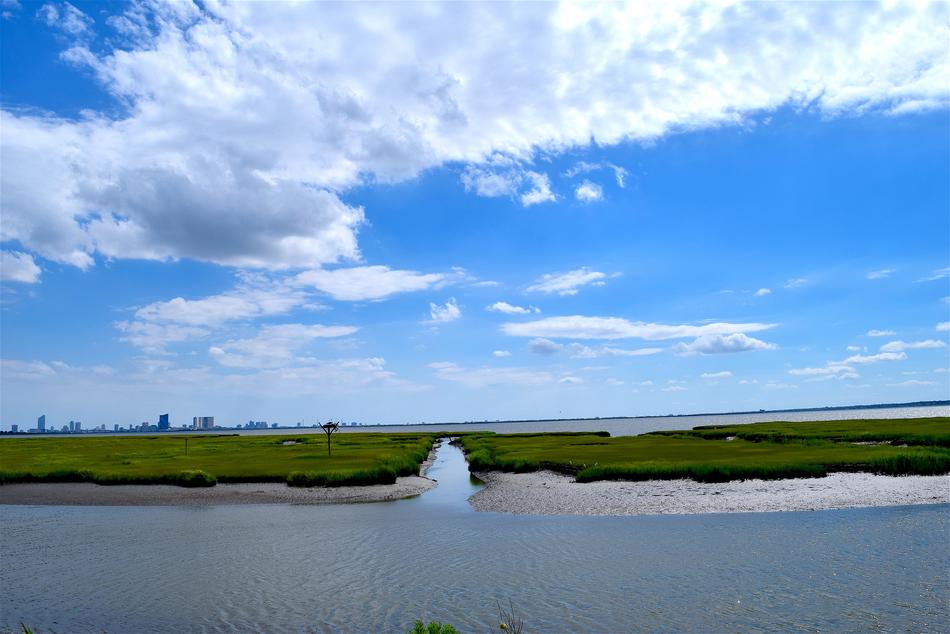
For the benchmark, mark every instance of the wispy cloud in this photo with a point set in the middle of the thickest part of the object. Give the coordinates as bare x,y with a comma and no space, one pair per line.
881,274
510,309
938,274
581,327
881,333
569,283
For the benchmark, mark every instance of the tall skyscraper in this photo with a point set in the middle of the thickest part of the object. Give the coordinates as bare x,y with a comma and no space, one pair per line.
162,422
41,423
15,429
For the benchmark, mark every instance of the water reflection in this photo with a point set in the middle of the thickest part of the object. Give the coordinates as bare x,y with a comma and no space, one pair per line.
455,483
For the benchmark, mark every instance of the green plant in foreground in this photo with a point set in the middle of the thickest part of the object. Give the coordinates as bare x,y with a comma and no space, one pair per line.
434,627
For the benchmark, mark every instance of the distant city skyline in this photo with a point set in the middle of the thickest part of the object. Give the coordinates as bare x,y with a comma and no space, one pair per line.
741,208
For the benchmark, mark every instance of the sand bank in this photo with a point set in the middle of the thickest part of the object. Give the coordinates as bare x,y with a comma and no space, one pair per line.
87,494
548,493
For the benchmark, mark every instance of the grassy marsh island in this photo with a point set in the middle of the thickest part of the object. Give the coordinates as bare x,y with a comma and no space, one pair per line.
358,459
722,454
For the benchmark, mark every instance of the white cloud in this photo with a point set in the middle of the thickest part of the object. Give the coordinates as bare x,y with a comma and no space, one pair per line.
567,284
723,344
943,326
443,314
938,274
509,309
274,346
67,18
540,191
881,333
544,347
238,135
570,380
853,348
613,382
588,192
911,382
673,388
647,383
503,176
773,385
797,282
725,374
897,346
762,292
880,275
152,337
362,283
482,377
580,327
18,267
501,353
583,167
874,358
830,371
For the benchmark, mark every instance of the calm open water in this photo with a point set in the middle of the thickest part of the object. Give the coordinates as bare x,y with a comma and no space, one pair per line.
377,567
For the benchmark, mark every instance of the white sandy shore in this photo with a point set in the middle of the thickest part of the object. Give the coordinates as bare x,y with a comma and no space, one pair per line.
548,493
87,494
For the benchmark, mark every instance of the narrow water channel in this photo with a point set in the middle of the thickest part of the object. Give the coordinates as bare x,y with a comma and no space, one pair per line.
454,482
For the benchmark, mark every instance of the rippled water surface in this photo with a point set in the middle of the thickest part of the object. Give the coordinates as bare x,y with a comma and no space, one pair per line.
377,567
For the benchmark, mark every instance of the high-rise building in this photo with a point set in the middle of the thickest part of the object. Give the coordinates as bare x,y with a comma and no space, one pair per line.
41,423
115,427
78,426
15,428
162,422
203,422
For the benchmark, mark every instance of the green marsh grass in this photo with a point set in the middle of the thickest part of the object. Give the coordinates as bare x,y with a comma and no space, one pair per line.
813,451
358,458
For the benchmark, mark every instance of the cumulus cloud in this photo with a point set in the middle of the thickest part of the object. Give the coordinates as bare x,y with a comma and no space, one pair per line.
880,275
723,344
18,267
588,192
544,347
540,191
362,283
237,134
503,177
673,388
762,292
501,353
898,346
443,314
881,333
943,326
178,320
510,309
580,327
273,346
567,284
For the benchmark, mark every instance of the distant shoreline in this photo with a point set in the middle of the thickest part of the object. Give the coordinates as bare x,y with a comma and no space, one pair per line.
218,430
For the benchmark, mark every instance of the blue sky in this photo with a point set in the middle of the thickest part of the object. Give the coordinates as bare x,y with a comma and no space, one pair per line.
259,211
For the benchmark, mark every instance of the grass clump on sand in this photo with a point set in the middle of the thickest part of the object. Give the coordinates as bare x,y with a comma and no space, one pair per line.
717,457
358,459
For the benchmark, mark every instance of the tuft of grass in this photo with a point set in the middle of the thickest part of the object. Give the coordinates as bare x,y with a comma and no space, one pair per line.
701,472
433,627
